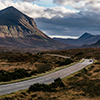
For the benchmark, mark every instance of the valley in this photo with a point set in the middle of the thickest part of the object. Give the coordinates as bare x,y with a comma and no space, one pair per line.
86,40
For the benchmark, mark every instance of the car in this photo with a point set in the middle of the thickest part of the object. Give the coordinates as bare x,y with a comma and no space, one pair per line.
90,60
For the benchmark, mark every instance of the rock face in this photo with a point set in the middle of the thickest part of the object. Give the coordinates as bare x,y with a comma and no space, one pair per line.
15,24
19,30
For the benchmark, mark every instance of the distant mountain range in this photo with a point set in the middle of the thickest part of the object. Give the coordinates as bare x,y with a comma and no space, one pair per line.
86,39
20,31
97,44
94,45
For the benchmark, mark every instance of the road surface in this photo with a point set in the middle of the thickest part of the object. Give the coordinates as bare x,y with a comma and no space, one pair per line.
56,55
9,88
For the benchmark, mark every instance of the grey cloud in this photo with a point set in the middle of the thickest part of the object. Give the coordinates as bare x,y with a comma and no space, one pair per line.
75,1
58,1
65,1
29,0
60,13
79,4
61,21
88,21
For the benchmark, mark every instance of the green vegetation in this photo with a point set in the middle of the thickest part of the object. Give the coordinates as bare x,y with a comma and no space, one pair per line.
82,85
77,54
17,74
66,62
17,65
47,88
86,81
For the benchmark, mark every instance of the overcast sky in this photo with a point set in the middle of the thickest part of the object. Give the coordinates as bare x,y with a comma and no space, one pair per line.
61,18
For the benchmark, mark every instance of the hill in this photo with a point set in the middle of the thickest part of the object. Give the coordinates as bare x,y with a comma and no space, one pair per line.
86,38
17,30
97,44
94,45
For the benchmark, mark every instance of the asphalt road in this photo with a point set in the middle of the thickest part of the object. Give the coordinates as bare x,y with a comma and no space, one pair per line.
56,55
9,88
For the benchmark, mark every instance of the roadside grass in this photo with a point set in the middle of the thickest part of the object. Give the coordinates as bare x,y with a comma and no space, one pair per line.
79,70
86,82
82,85
38,75
34,64
12,94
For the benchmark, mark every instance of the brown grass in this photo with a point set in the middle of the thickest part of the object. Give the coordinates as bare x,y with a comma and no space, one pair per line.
11,61
84,85
79,53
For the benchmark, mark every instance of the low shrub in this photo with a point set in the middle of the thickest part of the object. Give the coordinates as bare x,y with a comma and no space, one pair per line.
42,67
46,88
57,83
78,54
84,70
17,74
33,72
39,87
66,62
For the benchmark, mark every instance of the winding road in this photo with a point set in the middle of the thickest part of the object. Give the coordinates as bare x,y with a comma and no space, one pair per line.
9,88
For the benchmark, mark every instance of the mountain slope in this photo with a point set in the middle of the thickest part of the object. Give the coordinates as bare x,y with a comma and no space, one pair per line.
13,23
97,44
86,38
19,30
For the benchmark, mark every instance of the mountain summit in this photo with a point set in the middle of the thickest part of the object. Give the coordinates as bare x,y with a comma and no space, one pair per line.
13,23
19,30
85,35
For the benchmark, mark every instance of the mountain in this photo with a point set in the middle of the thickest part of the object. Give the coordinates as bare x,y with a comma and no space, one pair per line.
15,24
20,31
86,38
97,44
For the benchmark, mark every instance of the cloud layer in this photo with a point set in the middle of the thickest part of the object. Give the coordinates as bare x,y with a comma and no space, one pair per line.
60,20
78,3
36,11
29,0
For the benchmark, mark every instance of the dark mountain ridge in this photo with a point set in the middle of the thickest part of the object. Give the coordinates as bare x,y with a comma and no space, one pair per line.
95,45
86,38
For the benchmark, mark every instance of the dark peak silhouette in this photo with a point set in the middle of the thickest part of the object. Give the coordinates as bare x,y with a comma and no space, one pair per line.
86,35
14,23
12,16
11,8
86,38
94,45
97,43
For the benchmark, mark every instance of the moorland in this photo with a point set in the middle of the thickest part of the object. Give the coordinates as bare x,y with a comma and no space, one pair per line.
82,85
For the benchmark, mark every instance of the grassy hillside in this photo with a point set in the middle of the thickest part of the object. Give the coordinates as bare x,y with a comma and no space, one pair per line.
80,53
17,65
